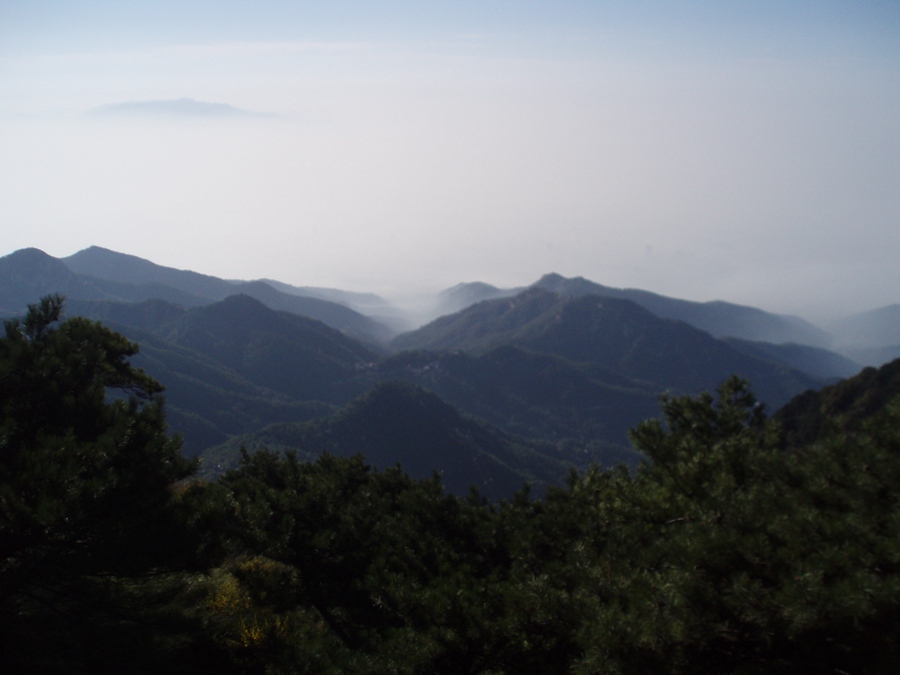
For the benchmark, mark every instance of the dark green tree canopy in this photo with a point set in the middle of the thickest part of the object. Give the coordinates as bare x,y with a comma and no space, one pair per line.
86,465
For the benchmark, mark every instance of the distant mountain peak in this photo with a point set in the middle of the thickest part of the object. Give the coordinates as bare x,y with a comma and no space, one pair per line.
95,250
29,273
30,252
555,278
100,253
182,107
469,286
30,259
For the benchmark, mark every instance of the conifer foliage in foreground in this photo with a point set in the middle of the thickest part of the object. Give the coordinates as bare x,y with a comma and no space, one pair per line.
723,553
86,472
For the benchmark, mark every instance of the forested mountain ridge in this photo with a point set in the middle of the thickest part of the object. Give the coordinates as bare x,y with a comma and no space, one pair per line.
336,310
615,333
208,402
238,332
839,408
531,394
401,424
29,274
236,366
718,318
287,353
102,263
868,337
485,324
814,361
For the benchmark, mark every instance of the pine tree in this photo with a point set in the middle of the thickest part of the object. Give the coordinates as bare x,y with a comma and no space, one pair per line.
86,464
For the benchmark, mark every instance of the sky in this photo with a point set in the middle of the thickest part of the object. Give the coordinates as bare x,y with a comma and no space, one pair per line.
747,152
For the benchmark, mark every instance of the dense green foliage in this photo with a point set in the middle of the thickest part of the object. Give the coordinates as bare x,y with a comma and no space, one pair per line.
723,553
86,465
839,408
729,555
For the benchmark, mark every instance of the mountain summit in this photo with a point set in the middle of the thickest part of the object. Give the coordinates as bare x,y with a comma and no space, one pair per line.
175,108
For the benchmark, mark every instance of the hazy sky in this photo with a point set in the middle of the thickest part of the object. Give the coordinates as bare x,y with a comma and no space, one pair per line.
747,151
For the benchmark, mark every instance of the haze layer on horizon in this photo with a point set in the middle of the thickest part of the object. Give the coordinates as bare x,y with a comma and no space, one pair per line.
704,150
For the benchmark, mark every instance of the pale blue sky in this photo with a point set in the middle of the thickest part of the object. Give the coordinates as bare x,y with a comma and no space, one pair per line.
730,150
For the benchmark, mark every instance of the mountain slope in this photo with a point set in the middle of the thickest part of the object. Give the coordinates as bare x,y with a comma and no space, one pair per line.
812,360
398,423
842,406
207,400
718,318
208,403
614,333
368,304
29,274
294,355
461,296
532,395
484,325
213,394
337,316
202,289
102,263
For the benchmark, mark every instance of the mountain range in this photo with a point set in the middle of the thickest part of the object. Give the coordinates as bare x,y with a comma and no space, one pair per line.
509,386
614,333
99,274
